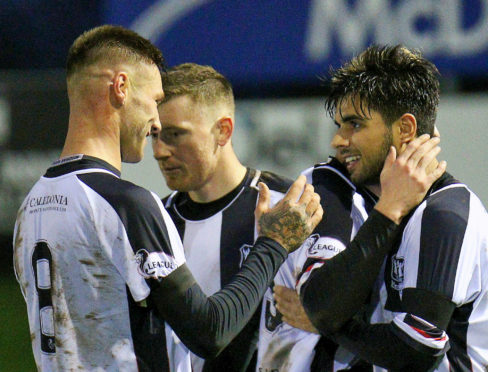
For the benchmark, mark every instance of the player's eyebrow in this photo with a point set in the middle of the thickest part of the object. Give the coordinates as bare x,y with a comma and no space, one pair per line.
348,118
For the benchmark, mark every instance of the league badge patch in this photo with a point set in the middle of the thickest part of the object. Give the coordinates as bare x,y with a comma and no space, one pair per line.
154,265
323,247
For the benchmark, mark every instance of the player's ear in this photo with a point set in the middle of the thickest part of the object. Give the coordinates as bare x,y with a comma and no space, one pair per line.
407,125
120,85
225,128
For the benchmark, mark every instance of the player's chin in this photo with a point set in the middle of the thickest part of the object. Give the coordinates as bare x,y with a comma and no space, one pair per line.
132,160
132,156
356,177
173,183
177,183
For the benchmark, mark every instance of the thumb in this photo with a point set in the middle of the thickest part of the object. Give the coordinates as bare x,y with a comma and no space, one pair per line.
391,157
263,200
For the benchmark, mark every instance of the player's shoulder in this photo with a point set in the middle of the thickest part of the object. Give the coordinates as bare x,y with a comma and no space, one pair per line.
448,195
329,172
275,182
452,203
331,169
119,193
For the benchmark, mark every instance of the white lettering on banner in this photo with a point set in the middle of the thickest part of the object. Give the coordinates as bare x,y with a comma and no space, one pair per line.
159,17
379,20
350,25
460,41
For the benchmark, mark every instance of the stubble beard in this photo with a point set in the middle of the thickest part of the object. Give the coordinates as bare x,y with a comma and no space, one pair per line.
132,143
371,175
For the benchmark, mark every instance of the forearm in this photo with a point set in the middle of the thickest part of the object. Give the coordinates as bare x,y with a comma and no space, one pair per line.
336,291
207,324
380,345
238,355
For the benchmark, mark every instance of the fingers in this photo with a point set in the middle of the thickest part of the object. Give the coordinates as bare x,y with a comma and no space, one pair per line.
308,198
285,295
311,201
317,215
438,171
418,148
287,300
263,200
278,289
429,157
413,146
307,194
296,189
405,181
290,221
313,204
289,305
423,155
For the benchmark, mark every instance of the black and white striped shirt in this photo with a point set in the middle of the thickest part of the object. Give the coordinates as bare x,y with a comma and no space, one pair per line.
435,289
85,244
102,267
217,237
281,346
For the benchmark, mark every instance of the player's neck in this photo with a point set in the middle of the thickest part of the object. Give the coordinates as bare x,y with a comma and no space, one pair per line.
89,138
228,175
375,189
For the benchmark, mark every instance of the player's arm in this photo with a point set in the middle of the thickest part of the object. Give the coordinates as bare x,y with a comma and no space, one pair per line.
332,293
417,337
335,291
330,236
207,324
409,343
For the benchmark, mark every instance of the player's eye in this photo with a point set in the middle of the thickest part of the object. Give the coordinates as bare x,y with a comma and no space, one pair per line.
355,124
170,136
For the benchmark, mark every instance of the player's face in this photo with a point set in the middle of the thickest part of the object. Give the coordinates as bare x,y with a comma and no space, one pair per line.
362,143
186,147
141,113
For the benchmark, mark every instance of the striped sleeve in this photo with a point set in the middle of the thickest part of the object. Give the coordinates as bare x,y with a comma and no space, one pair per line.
142,241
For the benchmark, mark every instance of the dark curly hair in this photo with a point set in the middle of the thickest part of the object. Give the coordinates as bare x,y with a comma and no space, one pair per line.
390,80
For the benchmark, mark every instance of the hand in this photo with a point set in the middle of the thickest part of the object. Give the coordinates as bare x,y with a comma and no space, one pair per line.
289,305
406,178
293,218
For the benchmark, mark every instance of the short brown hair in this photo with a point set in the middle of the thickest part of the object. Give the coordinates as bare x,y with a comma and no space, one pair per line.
111,43
201,83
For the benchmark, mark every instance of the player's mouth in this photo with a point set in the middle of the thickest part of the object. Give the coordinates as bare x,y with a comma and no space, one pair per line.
351,162
170,170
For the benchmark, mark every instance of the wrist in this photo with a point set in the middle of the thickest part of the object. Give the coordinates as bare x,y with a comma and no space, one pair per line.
271,243
390,211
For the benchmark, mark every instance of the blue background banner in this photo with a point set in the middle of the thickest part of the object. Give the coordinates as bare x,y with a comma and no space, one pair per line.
294,41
